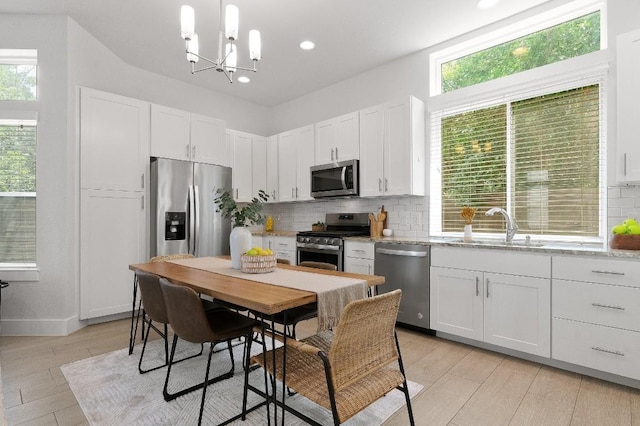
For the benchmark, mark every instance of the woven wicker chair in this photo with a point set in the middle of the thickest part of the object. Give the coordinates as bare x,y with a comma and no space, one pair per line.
191,323
350,368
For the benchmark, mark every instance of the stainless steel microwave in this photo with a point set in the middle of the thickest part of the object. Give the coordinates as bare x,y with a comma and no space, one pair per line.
335,179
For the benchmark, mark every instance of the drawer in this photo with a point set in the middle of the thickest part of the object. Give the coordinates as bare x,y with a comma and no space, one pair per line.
602,304
498,261
359,249
601,348
606,271
282,243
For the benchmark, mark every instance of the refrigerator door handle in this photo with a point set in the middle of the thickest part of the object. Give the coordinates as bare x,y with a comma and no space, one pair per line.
196,202
191,235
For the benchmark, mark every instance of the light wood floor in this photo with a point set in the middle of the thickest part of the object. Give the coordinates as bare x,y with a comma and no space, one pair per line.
463,385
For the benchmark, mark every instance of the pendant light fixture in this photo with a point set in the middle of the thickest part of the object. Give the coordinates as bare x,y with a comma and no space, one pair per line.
227,60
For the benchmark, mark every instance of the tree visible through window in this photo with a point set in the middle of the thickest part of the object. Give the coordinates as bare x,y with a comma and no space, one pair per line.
567,40
18,74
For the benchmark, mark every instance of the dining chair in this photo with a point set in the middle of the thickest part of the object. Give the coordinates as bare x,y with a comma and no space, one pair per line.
190,322
347,369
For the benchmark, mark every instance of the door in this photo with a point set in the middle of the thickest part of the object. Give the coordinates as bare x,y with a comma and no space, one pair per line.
259,165
457,302
208,141
397,149
371,148
170,133
628,155
170,213
272,169
287,166
242,173
517,313
211,229
305,141
347,137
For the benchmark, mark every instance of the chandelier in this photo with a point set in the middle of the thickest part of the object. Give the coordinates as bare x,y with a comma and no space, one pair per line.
227,62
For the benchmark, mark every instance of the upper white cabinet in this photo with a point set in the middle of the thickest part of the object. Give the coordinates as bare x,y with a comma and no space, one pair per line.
258,164
272,169
628,143
295,158
478,295
181,135
392,148
338,139
249,171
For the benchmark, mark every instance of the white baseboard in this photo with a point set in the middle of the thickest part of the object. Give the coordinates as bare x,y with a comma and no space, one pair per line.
41,327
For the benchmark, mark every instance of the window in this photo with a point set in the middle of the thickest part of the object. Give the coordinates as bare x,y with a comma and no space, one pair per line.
538,156
511,133
18,192
18,74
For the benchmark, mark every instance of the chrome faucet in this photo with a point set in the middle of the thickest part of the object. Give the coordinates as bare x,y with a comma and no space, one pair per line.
512,227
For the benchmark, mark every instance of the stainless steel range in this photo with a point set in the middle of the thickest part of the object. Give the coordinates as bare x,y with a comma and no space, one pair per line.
328,245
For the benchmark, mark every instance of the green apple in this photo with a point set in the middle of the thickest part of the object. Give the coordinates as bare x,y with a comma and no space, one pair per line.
633,229
619,230
630,222
252,252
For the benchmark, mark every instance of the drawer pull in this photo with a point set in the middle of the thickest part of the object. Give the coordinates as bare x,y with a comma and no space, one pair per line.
607,272
359,251
600,305
595,348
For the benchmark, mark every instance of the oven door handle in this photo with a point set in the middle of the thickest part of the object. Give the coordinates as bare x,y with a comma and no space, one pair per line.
318,247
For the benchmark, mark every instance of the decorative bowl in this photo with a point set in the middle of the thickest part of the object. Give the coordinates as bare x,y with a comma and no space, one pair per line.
258,264
625,242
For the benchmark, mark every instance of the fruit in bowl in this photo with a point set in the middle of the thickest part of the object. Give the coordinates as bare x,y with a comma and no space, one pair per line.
626,235
259,251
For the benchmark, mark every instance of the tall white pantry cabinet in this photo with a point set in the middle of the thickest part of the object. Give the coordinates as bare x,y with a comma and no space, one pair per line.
114,157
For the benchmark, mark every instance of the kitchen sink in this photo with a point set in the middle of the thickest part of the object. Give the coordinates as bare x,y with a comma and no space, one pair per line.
496,243
559,245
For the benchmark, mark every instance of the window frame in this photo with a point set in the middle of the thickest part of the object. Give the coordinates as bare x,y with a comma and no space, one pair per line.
511,32
21,57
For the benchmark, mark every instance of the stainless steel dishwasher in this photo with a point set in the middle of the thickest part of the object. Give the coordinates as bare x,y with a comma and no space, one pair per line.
406,266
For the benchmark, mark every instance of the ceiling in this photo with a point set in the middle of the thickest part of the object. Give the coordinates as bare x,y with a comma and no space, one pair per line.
351,36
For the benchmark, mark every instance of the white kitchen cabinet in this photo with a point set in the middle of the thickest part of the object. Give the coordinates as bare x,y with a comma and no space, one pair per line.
295,158
114,141
208,142
596,314
181,135
114,160
257,241
472,298
241,175
283,247
258,164
338,139
627,146
272,169
359,257
392,149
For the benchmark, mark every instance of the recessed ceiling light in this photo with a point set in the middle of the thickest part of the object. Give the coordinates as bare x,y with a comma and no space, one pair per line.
486,4
307,45
243,79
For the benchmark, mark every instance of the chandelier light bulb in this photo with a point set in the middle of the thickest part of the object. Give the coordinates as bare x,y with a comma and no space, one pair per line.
231,60
187,22
193,49
255,45
231,22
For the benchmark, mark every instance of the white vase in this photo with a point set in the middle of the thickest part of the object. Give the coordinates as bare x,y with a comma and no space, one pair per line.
468,234
239,242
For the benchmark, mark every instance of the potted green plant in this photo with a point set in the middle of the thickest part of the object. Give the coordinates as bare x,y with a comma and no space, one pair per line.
240,216
318,226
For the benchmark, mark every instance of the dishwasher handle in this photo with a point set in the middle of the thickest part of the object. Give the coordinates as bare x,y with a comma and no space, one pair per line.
406,253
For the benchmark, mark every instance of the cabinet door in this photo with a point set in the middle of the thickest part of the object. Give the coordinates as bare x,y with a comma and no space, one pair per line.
114,136
287,166
170,130
305,143
325,141
112,236
397,149
208,141
259,164
358,265
241,171
456,302
517,313
628,148
347,137
371,148
272,168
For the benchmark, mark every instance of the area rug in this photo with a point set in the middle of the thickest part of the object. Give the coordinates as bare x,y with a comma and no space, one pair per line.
110,391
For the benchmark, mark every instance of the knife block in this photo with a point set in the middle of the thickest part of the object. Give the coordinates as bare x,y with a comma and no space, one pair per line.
376,228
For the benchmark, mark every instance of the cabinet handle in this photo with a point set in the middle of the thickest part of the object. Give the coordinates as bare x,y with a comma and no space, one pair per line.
292,193
237,193
359,251
596,348
331,154
386,184
607,272
600,305
477,286
142,181
186,150
487,288
193,151
379,185
296,192
369,269
336,153
142,202
624,168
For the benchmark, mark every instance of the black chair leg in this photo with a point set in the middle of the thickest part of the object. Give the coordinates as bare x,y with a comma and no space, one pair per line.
206,382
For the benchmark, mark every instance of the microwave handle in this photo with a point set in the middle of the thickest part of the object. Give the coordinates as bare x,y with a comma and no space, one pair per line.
344,177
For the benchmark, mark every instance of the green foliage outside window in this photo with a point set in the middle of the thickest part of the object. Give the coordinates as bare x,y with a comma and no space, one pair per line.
17,82
567,40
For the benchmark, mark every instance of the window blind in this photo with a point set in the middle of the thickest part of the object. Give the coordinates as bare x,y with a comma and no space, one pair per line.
18,193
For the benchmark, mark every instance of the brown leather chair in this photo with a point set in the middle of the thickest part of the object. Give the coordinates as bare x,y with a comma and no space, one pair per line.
190,322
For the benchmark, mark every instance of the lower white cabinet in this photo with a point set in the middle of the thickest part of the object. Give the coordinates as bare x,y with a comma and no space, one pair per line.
504,309
359,257
283,247
596,314
113,236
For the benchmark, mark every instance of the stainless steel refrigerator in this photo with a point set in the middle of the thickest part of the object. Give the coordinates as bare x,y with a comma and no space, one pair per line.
183,213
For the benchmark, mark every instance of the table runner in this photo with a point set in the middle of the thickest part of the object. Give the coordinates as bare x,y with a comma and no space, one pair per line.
333,292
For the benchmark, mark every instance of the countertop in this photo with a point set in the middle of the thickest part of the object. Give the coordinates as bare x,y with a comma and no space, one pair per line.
274,233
